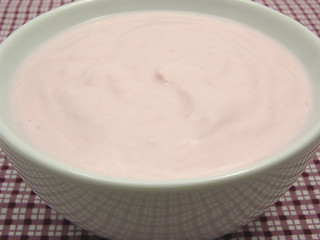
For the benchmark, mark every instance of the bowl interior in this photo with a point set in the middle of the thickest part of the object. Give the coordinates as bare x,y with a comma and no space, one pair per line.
298,39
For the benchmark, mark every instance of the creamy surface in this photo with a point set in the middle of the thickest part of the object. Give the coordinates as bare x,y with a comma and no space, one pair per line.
160,96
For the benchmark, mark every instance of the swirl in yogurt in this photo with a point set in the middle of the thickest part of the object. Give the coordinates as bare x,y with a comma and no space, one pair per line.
160,95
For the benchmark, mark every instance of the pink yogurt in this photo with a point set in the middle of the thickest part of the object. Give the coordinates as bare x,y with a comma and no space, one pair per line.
160,95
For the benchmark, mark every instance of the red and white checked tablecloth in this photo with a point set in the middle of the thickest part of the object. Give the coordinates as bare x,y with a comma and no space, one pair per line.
24,216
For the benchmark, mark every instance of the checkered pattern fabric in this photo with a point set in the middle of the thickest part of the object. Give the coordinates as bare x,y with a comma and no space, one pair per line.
24,216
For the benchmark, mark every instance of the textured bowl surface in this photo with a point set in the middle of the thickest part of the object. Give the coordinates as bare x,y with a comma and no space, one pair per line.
201,208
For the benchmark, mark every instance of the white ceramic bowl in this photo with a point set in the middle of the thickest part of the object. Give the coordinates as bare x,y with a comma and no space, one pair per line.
201,208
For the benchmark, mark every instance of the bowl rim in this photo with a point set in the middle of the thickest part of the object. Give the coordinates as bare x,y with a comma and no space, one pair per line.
58,168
